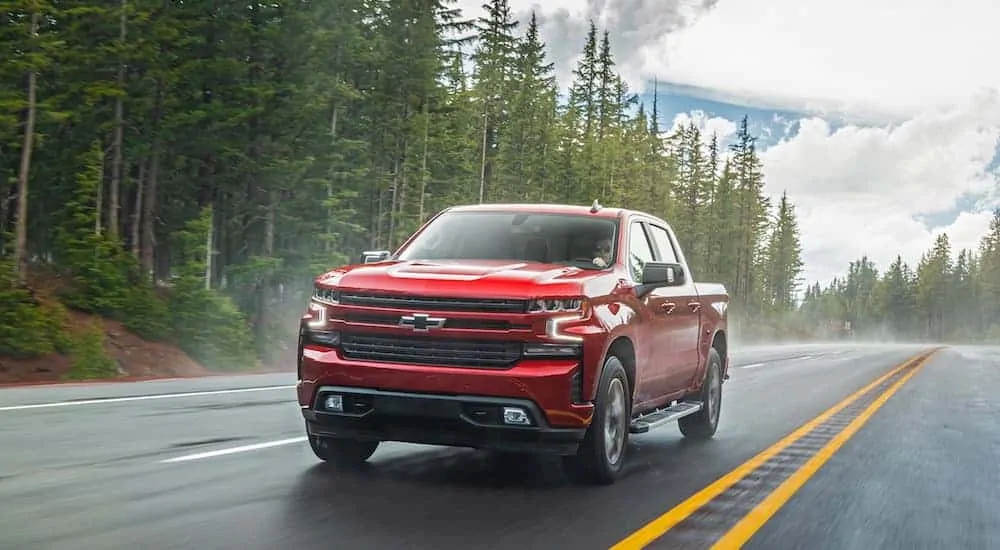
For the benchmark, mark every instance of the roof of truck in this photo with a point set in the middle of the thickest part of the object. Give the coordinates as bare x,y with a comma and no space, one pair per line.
603,212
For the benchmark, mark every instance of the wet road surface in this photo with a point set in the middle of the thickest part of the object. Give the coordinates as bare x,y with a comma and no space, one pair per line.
228,467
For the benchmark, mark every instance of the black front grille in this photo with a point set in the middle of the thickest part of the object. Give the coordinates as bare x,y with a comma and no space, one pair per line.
392,320
433,303
430,351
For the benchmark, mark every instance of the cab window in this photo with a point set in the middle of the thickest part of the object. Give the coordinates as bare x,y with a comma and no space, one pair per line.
639,250
663,244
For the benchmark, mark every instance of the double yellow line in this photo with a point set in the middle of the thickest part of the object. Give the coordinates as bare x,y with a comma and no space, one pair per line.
762,512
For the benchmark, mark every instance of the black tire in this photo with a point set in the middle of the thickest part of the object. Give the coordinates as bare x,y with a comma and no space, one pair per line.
704,423
597,462
342,452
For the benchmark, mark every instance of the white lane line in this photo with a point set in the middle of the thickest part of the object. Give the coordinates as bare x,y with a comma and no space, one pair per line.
142,398
753,365
234,450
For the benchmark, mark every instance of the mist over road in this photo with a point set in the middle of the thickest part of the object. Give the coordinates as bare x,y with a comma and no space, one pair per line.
221,462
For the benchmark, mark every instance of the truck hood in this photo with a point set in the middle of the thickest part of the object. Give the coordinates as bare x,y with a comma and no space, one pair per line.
473,278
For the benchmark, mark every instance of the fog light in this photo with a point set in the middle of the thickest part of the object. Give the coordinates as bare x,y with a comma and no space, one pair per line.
324,337
552,350
334,403
516,416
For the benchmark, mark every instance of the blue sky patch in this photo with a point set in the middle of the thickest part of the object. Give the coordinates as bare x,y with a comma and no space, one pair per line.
769,125
965,203
772,125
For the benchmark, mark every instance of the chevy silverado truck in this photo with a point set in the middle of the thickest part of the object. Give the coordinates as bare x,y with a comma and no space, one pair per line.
517,328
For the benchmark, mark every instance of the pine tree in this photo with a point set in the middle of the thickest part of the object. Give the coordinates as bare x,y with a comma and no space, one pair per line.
784,257
227,152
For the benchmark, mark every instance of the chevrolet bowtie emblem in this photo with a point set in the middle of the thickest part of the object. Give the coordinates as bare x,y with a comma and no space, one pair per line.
421,322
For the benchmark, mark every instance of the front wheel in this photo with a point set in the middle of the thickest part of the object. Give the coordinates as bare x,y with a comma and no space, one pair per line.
343,452
704,423
602,452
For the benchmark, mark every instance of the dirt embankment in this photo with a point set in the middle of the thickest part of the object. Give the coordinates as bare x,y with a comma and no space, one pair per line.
136,358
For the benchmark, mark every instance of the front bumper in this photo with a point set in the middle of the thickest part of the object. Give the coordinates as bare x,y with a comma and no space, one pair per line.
436,419
552,386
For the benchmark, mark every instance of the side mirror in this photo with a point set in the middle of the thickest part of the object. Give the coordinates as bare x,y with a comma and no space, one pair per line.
662,274
372,256
657,274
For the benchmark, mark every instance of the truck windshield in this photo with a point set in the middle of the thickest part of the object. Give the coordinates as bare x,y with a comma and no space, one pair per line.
584,241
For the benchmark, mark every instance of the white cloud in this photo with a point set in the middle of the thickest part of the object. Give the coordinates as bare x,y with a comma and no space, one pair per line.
631,24
862,190
722,127
574,7
891,56
851,57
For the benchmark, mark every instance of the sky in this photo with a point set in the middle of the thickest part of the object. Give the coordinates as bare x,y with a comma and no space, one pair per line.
873,116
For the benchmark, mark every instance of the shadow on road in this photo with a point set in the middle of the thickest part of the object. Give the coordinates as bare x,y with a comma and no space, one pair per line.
428,495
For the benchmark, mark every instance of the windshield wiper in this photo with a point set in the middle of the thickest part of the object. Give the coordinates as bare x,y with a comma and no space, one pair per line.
582,264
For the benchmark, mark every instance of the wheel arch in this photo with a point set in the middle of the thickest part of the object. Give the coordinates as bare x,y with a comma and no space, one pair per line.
720,342
622,348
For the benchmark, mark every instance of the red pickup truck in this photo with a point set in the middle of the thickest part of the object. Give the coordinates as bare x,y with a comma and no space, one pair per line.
526,328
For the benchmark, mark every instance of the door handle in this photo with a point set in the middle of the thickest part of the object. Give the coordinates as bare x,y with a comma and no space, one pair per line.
668,307
695,306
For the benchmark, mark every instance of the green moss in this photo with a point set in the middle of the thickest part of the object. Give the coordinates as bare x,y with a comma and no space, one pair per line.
90,360
27,329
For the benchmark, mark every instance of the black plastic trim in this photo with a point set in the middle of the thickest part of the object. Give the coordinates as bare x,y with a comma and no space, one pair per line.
436,419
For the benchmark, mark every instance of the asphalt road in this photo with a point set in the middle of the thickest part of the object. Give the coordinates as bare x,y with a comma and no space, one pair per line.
228,470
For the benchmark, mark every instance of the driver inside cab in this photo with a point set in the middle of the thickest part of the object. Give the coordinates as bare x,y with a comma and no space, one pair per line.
602,252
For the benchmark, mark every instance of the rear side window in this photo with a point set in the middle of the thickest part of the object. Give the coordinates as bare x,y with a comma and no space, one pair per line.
639,251
663,244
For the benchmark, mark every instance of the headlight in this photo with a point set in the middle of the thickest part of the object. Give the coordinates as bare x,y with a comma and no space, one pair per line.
555,305
316,330
321,298
326,295
316,315
562,313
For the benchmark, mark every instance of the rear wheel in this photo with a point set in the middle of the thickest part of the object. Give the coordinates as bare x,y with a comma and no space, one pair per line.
343,452
602,452
704,423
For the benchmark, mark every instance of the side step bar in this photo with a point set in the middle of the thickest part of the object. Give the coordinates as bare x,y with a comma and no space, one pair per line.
655,419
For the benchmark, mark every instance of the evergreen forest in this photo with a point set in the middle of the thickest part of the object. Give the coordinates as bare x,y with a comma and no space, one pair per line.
184,168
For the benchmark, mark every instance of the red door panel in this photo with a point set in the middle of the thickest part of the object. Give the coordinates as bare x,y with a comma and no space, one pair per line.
683,319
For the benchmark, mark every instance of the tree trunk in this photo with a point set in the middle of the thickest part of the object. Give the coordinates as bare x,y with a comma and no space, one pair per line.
328,246
208,246
116,162
5,198
270,220
21,229
265,291
482,161
100,195
378,200
423,163
137,217
394,202
148,243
